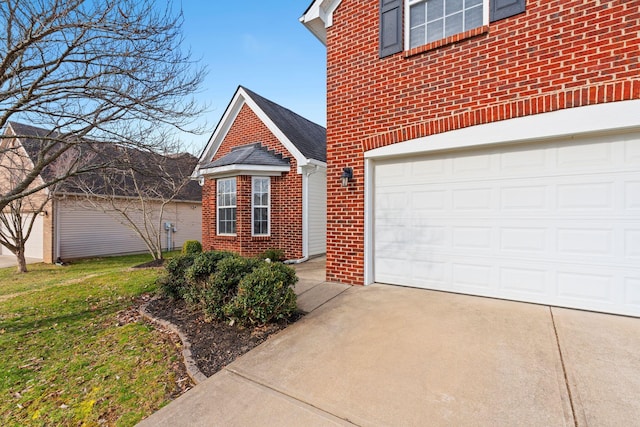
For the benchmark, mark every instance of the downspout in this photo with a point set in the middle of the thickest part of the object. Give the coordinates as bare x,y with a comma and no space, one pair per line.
306,172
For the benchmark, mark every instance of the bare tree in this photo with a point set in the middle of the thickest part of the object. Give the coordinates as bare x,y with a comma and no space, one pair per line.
137,189
19,215
16,224
111,71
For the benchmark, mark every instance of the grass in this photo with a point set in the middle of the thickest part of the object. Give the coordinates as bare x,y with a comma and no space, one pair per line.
65,358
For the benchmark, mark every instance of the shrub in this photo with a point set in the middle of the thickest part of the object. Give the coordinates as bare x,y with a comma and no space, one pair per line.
264,295
191,247
275,255
222,286
173,281
204,264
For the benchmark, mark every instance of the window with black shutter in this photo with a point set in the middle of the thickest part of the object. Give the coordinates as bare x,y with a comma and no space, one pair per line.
390,27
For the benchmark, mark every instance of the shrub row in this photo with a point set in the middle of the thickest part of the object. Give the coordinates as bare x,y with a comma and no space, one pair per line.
225,286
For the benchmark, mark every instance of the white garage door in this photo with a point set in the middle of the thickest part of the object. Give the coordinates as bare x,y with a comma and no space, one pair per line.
554,223
34,245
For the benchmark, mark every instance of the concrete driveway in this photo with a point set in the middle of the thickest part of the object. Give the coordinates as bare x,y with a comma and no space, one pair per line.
10,261
387,356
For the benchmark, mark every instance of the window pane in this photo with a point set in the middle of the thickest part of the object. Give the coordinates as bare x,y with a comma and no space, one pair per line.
434,31
454,6
469,3
265,199
260,221
417,36
435,9
417,14
453,24
473,18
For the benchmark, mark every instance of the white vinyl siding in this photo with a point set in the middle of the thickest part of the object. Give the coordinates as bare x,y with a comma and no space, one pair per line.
260,206
226,206
433,20
318,213
85,232
555,223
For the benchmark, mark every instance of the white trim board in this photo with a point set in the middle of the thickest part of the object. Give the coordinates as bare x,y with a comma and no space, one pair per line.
571,122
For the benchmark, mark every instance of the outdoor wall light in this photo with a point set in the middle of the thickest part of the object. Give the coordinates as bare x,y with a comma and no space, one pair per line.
347,175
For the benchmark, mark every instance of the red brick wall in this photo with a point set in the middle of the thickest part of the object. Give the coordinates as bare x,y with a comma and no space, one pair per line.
286,197
558,54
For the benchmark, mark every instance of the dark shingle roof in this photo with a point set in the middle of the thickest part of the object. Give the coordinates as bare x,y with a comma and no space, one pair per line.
308,137
33,139
251,154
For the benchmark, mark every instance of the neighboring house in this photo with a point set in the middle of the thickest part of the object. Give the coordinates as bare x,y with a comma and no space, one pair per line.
495,147
72,226
263,173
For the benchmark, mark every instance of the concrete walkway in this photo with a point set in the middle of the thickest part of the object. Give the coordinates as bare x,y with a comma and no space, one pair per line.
385,356
10,261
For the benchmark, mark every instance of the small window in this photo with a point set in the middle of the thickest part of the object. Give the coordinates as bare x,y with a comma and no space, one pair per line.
260,205
433,20
226,202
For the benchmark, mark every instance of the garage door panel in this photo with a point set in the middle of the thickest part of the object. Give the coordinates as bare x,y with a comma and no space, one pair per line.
632,290
632,196
521,160
632,245
524,239
585,155
532,281
525,197
561,226
631,153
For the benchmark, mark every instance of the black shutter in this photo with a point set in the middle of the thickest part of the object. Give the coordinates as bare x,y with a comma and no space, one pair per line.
390,27
501,9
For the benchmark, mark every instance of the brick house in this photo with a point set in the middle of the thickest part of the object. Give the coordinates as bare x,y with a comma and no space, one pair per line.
495,147
263,174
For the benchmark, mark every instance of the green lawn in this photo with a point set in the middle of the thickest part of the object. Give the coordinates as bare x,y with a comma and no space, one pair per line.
65,359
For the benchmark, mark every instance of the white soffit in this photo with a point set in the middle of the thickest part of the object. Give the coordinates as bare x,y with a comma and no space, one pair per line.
319,17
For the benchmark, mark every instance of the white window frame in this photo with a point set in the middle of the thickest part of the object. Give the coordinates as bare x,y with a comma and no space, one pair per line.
219,207
407,20
254,206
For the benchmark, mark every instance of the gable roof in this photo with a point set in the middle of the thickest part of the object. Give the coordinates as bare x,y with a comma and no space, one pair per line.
250,154
305,140
32,139
308,137
319,16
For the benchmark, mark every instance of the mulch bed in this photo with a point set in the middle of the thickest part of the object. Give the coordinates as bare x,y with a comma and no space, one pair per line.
213,344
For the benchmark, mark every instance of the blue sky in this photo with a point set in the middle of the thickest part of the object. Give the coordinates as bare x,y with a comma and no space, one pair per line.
260,45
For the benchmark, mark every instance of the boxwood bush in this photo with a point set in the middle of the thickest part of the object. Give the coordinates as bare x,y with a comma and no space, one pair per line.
191,247
173,281
226,286
264,295
222,286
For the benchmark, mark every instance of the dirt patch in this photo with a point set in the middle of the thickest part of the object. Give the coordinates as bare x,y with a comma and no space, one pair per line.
213,344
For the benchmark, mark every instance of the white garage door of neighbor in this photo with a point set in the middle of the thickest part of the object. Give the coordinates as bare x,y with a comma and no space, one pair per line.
34,245
552,223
